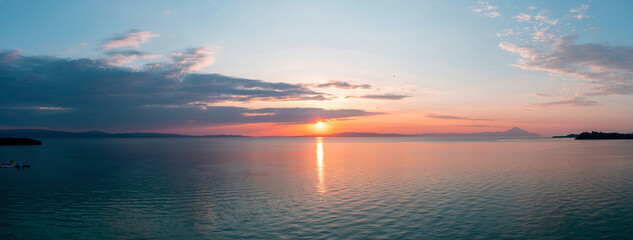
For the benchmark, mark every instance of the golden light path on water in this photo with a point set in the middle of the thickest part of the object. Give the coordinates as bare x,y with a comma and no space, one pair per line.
320,174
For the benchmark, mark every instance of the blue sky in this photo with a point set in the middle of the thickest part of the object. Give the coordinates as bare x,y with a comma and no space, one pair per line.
458,58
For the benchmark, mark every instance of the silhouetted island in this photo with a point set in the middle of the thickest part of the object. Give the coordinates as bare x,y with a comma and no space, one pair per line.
602,135
19,141
573,135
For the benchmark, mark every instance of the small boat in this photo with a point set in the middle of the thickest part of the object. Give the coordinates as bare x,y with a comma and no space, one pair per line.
13,164
7,165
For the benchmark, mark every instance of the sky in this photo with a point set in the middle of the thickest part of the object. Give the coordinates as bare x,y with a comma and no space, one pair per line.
263,68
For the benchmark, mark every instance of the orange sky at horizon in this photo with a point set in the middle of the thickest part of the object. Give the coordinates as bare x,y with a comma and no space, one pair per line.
407,123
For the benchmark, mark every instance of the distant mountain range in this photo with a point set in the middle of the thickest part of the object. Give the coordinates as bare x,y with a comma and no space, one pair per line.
514,132
39,133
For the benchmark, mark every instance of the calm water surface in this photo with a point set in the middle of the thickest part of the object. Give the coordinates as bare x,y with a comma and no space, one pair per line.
344,188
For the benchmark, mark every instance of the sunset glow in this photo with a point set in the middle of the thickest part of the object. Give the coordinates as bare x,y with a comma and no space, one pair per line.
491,66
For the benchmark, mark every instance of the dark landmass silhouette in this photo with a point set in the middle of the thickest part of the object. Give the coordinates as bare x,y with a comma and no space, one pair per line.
514,132
40,133
573,135
602,135
19,141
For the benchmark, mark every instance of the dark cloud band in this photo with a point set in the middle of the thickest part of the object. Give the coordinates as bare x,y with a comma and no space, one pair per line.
91,93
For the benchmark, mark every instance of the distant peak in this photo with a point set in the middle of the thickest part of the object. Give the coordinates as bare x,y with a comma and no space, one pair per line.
517,130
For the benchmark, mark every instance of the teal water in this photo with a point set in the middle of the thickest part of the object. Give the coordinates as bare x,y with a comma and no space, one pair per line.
295,188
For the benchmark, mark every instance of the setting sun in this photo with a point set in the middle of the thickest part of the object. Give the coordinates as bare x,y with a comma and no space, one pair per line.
319,124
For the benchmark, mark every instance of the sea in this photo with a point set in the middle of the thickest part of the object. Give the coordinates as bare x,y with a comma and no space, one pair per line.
318,188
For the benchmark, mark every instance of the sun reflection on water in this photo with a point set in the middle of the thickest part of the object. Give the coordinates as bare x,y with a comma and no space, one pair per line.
320,173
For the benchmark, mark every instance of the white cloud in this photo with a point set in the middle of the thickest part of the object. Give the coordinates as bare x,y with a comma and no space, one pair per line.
543,35
486,9
579,12
523,17
544,19
130,39
507,32
580,9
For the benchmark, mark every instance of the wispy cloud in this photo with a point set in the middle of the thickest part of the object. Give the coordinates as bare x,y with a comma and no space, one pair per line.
605,67
486,9
476,126
339,84
192,59
523,17
131,38
388,96
542,95
544,19
120,58
451,117
608,67
573,101
74,48
507,32
579,12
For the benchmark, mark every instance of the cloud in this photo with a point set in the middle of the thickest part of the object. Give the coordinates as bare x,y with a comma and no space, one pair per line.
486,9
341,85
306,115
74,48
188,60
544,19
194,59
569,101
450,117
65,93
120,58
523,17
604,69
387,96
131,38
579,12
476,125
543,95
609,68
492,14
574,101
149,118
532,8
507,32
589,27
